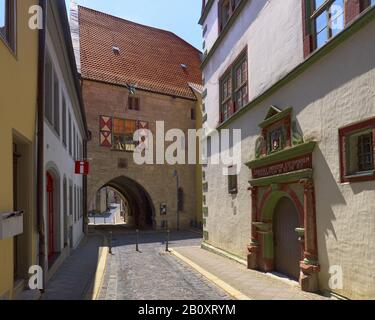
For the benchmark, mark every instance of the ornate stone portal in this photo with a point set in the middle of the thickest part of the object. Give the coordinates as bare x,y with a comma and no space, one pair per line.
283,168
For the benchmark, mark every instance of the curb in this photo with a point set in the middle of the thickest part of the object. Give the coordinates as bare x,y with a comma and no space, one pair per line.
223,253
98,280
234,293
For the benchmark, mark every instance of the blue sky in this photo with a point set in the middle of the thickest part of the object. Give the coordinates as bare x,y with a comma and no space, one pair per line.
178,16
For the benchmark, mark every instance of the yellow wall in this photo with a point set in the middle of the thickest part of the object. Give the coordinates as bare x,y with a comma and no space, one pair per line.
18,101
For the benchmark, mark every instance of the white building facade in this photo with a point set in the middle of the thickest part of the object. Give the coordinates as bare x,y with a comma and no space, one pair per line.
298,78
64,141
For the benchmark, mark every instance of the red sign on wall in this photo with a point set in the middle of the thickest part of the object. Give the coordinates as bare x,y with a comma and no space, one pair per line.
82,167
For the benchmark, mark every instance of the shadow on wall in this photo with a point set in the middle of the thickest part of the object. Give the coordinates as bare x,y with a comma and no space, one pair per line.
322,79
328,195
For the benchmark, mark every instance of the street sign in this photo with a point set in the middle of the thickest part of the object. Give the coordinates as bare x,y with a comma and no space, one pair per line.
82,167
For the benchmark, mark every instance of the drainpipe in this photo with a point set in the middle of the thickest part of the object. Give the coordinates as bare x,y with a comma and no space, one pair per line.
40,144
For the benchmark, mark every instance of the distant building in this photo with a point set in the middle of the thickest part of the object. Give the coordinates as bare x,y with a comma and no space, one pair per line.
298,78
133,76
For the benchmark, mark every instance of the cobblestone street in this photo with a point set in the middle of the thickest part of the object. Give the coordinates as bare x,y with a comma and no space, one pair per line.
152,273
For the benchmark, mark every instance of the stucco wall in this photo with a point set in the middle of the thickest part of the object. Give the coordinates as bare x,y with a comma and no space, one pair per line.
56,155
271,31
330,94
18,83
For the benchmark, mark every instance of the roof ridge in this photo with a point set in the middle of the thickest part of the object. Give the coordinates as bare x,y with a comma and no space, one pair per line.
138,24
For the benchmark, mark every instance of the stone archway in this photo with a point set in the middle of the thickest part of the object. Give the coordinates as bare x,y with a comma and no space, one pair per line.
261,250
138,199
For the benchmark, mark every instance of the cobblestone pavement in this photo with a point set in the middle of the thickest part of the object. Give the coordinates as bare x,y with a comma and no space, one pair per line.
153,274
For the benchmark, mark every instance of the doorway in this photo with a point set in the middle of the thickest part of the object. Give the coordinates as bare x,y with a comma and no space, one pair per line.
287,250
50,211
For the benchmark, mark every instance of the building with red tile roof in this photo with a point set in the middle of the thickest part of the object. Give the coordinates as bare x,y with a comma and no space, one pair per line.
134,77
122,52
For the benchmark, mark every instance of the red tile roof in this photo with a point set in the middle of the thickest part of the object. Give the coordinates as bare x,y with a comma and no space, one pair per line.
149,58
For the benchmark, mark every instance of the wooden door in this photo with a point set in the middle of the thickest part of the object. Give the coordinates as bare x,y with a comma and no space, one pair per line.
287,248
50,211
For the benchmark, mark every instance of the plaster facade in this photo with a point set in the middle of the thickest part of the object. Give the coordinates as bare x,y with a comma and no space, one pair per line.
329,94
18,81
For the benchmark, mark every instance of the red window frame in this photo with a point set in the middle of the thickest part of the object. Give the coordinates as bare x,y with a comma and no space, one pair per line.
346,132
228,84
352,9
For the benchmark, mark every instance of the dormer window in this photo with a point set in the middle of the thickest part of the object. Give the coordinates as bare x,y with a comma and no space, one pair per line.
116,50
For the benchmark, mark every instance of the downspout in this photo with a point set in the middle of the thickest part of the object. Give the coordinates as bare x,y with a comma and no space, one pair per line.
40,144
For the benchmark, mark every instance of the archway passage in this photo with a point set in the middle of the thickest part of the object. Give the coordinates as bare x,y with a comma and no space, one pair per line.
138,202
287,250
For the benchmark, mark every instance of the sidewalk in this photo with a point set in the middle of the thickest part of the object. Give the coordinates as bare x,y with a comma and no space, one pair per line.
237,280
75,276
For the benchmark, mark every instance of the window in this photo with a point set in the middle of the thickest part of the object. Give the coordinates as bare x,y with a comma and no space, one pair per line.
71,198
192,114
77,146
70,134
74,143
225,13
123,133
133,103
56,105
232,180
64,124
226,10
358,151
48,91
367,3
75,204
365,152
234,88
226,97
51,96
328,20
8,22
240,71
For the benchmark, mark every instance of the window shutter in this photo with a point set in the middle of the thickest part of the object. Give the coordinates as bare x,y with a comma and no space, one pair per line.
352,10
